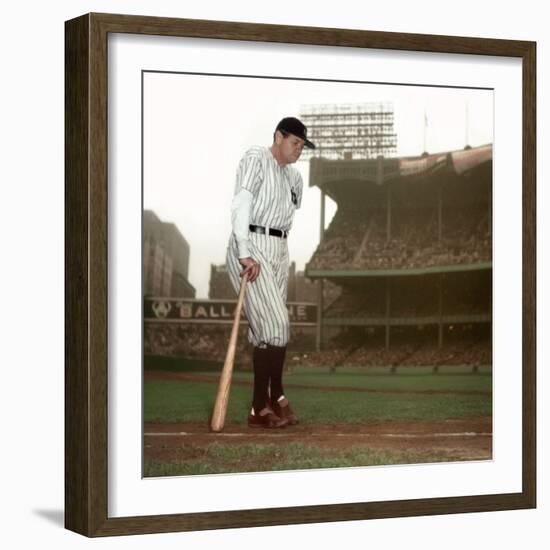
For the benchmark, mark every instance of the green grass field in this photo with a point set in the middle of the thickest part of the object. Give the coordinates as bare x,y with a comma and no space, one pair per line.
406,379
187,401
222,458
336,398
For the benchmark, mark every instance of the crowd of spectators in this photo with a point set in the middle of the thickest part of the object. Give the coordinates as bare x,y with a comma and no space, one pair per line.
359,240
414,297
209,342
354,303
194,341
341,240
405,355
468,299
464,353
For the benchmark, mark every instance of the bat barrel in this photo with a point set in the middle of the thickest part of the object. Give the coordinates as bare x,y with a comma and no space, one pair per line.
222,397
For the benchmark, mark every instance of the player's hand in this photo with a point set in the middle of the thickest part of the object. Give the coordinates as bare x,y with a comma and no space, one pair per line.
251,267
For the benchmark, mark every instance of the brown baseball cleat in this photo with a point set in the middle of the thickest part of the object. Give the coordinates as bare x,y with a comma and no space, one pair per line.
282,410
266,418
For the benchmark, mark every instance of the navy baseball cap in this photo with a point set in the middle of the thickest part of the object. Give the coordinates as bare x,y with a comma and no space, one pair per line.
291,125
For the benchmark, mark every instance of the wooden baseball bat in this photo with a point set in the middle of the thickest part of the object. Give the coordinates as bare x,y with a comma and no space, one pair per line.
222,397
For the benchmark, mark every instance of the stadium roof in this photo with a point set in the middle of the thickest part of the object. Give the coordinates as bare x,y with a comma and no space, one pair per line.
381,170
400,272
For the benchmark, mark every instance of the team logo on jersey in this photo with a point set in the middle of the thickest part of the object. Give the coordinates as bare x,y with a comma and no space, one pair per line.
294,197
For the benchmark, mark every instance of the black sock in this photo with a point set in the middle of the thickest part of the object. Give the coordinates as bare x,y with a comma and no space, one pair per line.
277,360
261,378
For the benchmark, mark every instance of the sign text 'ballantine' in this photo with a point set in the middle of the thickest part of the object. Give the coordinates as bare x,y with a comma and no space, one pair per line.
215,311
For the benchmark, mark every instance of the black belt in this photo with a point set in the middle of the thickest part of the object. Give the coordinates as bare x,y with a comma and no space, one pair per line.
272,232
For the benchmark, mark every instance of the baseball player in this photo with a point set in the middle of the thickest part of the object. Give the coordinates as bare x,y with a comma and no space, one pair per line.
268,190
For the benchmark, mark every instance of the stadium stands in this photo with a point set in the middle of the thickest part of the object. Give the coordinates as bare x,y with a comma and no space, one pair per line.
410,246
474,354
193,341
358,240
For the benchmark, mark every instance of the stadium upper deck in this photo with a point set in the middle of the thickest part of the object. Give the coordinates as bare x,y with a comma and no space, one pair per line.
418,214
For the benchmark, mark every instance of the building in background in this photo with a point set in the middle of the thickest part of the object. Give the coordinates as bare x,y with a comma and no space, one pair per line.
300,288
220,287
181,287
157,269
165,259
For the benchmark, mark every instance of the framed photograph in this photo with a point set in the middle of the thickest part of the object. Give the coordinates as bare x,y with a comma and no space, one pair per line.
407,265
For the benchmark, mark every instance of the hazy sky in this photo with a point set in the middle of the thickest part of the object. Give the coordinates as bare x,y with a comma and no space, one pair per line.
196,128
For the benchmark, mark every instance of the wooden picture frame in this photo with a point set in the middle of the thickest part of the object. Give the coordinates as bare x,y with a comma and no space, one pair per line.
86,276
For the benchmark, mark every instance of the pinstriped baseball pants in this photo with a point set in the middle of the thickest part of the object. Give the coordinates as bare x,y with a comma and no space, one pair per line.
265,298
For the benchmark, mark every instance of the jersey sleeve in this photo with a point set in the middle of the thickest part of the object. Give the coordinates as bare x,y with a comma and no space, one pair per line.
298,189
249,173
240,219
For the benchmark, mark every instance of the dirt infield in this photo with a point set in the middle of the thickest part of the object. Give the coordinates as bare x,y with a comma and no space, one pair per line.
464,439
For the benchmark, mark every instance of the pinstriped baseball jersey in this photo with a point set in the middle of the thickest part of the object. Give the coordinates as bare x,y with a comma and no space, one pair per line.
277,193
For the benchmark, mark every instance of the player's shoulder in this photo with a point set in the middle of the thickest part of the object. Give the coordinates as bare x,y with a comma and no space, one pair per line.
295,174
257,152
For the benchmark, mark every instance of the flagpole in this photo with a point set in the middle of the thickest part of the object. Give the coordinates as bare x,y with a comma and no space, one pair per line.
425,131
467,126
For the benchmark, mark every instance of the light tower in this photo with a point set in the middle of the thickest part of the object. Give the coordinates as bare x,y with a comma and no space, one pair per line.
350,131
